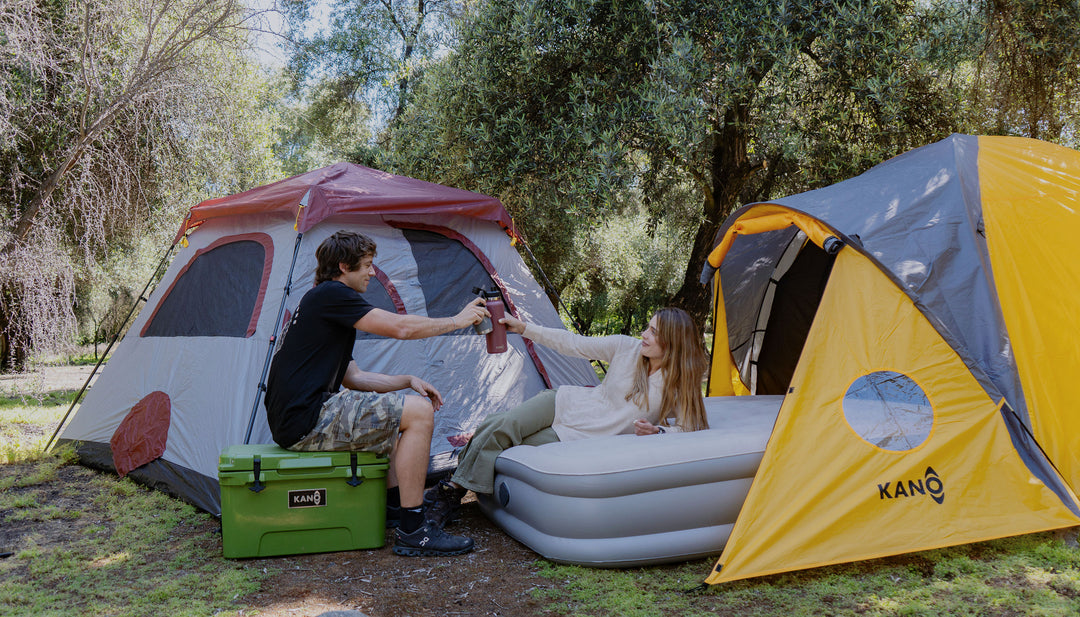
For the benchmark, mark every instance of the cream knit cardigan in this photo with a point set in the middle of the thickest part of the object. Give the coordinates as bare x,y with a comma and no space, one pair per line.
582,412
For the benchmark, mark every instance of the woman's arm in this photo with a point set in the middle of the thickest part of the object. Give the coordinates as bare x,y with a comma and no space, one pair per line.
567,343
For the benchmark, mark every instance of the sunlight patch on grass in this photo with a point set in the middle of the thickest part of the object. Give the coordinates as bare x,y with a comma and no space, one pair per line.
46,402
42,468
108,560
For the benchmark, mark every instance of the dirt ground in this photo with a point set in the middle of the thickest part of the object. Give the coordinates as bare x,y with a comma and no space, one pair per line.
497,578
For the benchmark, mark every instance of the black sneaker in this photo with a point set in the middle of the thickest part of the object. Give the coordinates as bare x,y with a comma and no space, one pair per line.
441,503
393,517
430,541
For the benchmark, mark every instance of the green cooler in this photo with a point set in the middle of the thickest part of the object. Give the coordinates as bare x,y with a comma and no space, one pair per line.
278,502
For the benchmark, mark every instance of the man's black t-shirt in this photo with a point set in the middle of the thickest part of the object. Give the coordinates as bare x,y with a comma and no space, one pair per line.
312,359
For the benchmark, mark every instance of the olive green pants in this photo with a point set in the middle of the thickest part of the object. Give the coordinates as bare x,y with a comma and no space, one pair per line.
529,423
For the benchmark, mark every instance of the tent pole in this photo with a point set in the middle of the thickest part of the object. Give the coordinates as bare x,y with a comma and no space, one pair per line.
273,340
142,298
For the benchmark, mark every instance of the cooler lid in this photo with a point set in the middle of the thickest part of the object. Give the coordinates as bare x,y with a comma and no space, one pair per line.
242,458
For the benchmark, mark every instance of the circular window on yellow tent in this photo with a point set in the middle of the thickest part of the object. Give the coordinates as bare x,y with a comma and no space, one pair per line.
889,410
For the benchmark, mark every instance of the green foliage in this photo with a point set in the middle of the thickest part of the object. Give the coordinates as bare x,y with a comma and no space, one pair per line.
370,53
535,84
621,273
107,292
1028,77
577,112
90,358
321,129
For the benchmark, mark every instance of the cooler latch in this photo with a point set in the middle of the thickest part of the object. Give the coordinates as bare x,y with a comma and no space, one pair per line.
354,480
257,468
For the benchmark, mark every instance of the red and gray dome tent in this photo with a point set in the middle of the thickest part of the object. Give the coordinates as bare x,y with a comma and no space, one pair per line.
921,321
188,378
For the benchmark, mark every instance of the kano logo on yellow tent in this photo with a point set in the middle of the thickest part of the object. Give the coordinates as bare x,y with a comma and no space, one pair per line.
930,483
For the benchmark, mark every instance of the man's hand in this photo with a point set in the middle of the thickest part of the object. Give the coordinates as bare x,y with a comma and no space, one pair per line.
513,324
426,389
473,313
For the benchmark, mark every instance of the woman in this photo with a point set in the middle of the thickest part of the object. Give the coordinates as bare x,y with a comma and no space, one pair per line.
653,385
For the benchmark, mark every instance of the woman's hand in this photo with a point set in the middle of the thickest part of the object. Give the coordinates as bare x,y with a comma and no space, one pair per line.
644,427
426,389
513,324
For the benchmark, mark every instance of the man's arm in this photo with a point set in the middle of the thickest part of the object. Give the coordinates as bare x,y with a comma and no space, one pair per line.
356,379
385,323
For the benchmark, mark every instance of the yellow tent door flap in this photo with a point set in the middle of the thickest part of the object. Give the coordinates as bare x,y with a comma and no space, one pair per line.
885,444
724,378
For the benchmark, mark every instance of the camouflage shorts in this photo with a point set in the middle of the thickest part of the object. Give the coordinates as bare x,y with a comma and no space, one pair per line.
355,421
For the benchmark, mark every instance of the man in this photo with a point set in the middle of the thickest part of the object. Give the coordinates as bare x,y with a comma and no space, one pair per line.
308,411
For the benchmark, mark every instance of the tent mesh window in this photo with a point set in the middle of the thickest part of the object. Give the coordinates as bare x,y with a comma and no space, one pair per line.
217,294
889,410
746,273
448,273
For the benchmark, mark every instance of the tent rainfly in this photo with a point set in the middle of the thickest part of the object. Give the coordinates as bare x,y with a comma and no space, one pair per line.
188,378
920,320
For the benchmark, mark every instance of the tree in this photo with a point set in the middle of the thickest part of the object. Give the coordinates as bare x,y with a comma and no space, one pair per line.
572,110
370,51
91,70
110,111
320,128
620,272
1028,76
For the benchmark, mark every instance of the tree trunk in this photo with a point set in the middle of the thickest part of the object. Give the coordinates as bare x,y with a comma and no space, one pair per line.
693,297
730,170
14,351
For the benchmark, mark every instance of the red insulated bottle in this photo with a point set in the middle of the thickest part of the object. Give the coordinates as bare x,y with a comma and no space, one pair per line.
496,339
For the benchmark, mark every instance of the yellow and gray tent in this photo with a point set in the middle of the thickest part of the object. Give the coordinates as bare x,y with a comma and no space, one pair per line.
922,321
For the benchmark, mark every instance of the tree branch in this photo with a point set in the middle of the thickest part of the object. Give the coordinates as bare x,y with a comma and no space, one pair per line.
200,22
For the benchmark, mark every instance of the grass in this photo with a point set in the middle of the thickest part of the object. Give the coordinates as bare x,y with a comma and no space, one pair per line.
88,543
1036,574
82,355
27,422
84,358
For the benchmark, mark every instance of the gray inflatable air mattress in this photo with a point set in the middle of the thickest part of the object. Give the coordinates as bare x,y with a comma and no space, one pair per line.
626,500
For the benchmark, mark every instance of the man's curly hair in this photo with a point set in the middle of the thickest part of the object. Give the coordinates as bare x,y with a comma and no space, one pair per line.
344,247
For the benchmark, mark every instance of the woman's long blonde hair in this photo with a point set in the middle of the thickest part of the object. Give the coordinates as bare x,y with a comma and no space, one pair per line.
684,364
